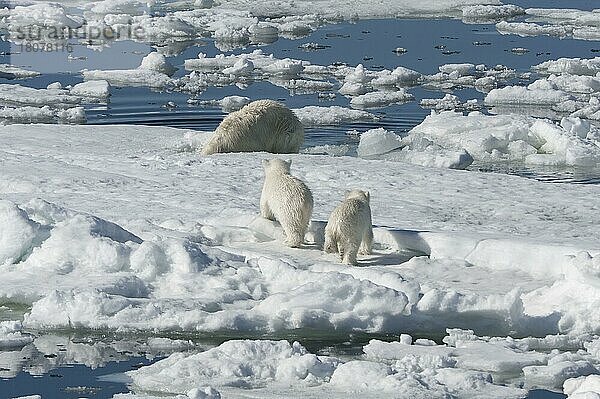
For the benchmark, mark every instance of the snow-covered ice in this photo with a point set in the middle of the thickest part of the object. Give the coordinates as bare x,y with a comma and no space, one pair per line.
377,141
12,72
11,335
15,94
96,89
531,29
313,115
227,104
161,270
376,99
583,387
486,13
465,366
511,137
450,102
43,15
575,66
519,95
153,72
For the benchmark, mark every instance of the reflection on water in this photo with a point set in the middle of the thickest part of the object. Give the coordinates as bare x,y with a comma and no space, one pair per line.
73,381
573,174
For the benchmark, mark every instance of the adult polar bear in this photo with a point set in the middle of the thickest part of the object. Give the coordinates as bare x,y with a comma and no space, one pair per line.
263,125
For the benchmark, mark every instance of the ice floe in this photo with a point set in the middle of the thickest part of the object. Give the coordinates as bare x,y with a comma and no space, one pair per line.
500,255
531,29
8,71
50,15
486,13
378,141
567,87
465,366
376,99
519,95
94,89
583,387
39,354
153,72
450,102
575,23
227,104
22,104
180,283
510,137
356,9
479,76
54,95
575,66
12,336
382,144
313,115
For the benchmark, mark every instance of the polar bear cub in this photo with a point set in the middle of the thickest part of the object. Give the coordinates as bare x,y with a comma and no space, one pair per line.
263,125
286,199
349,229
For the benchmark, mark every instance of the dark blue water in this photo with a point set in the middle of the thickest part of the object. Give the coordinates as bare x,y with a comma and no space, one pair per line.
72,381
368,42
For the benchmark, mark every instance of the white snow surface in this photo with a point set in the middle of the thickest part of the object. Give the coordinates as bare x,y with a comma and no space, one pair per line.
200,259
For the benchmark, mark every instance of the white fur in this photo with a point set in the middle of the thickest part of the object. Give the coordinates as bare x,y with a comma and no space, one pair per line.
262,125
349,230
286,199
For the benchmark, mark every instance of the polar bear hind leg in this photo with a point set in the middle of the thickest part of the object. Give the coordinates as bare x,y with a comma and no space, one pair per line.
330,244
349,252
294,234
366,246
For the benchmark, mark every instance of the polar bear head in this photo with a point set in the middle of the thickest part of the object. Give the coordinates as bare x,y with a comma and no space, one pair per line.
359,194
276,166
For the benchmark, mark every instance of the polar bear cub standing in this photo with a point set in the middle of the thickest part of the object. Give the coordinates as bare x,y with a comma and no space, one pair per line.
263,125
286,199
349,229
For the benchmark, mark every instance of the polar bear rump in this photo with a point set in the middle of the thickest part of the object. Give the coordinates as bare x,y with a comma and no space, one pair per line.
286,199
262,125
349,230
